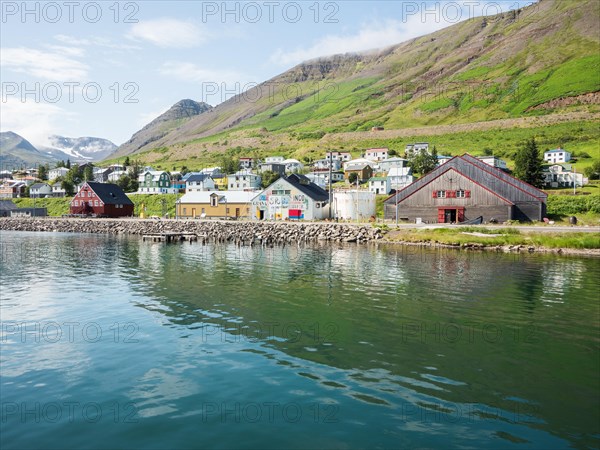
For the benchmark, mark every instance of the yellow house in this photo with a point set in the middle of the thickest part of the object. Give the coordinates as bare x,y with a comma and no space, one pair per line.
215,204
220,182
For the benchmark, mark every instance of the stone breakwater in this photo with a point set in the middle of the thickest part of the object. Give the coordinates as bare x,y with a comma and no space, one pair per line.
242,233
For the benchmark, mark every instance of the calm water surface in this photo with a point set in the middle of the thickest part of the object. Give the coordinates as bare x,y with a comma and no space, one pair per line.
114,343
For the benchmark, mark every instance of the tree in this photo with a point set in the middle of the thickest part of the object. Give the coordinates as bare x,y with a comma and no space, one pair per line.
126,163
352,177
423,162
392,153
268,178
43,172
88,173
59,164
528,163
68,186
73,176
229,165
124,182
593,171
68,164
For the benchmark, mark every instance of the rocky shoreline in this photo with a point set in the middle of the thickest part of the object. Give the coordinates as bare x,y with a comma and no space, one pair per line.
243,233
257,233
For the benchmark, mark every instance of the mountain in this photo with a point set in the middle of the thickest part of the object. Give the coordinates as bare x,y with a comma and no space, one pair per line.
16,152
180,113
79,149
537,61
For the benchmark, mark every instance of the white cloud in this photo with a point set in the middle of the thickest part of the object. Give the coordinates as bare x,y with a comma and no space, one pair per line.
370,36
94,41
189,72
168,33
418,20
34,121
54,66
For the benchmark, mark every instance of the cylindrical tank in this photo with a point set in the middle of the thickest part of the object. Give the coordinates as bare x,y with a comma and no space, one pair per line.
354,205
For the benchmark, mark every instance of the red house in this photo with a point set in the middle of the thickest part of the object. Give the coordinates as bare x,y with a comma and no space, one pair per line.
102,199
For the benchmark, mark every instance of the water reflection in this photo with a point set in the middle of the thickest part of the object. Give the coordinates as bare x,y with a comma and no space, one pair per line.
385,316
475,345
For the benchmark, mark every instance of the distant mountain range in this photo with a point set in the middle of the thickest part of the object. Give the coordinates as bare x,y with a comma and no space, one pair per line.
79,149
535,61
16,151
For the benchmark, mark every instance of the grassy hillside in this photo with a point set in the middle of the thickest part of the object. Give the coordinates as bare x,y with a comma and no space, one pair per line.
537,62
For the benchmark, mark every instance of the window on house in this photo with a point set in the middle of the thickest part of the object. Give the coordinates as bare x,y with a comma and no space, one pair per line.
184,211
95,202
75,203
460,194
227,211
203,211
441,194
213,200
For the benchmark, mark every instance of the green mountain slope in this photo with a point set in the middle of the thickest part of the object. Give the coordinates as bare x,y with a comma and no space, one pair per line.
541,60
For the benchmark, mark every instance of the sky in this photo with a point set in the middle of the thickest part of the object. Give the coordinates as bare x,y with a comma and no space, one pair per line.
107,68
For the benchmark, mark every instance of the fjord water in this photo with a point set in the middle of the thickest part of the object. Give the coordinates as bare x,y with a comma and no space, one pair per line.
111,342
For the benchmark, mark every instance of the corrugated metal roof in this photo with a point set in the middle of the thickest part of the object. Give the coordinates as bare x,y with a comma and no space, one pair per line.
495,180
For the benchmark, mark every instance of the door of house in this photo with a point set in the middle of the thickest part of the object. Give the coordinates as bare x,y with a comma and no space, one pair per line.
193,213
237,212
450,216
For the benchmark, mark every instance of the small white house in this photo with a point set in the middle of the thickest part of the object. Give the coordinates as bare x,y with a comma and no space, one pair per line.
199,183
561,176
322,178
293,165
443,159
293,197
53,174
416,148
58,191
494,161
400,177
115,175
376,154
243,180
323,164
246,163
557,156
211,171
40,190
379,185
274,159
339,156
387,164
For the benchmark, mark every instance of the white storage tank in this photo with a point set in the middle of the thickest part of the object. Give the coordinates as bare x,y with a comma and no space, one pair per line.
354,205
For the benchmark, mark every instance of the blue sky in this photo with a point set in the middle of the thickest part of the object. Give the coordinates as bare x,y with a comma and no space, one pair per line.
105,69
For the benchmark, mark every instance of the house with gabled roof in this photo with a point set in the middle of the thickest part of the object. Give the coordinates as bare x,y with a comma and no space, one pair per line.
215,204
40,190
199,182
465,188
101,199
294,197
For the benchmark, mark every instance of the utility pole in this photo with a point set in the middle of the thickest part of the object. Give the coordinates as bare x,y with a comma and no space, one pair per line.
330,159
